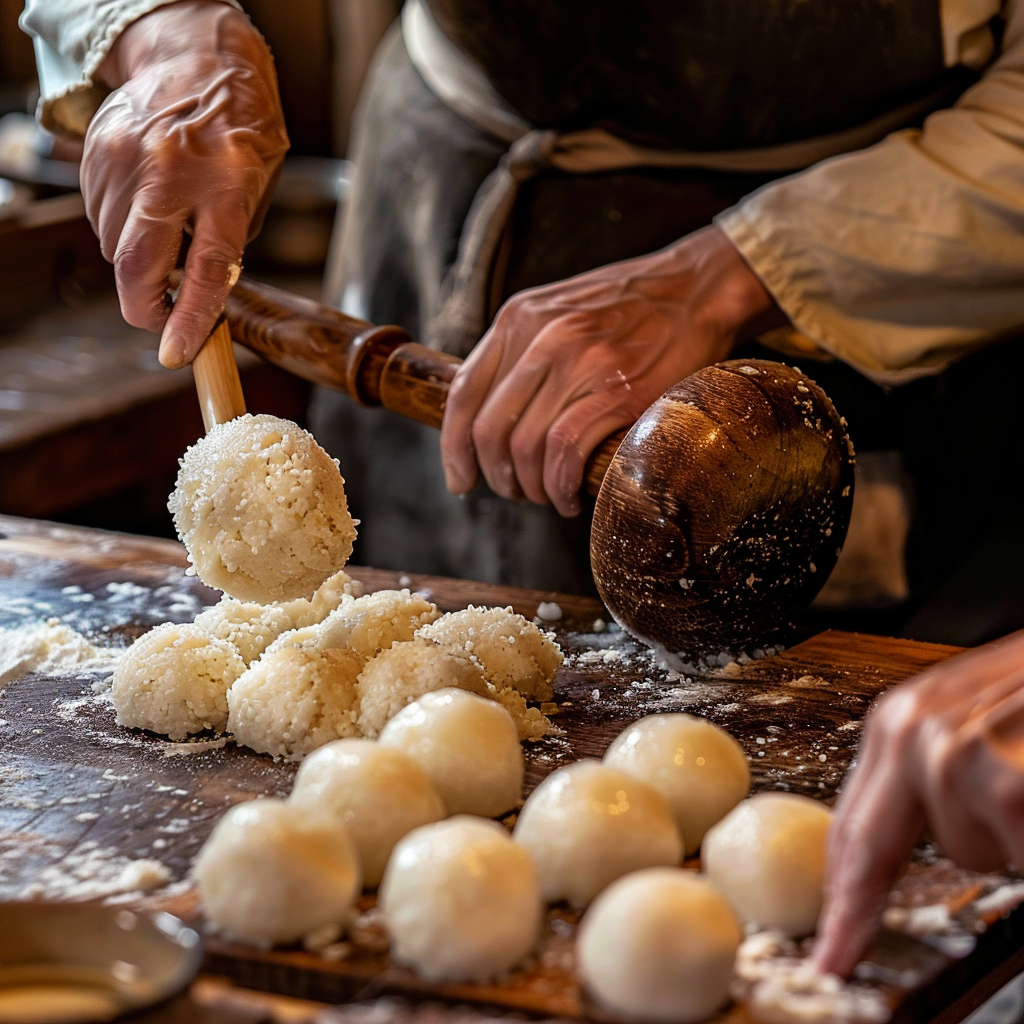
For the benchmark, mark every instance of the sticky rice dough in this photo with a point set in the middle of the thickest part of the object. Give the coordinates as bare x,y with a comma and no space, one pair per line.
460,901
696,766
261,508
292,701
270,872
174,681
253,627
367,625
586,825
407,671
511,650
468,747
659,946
378,794
767,856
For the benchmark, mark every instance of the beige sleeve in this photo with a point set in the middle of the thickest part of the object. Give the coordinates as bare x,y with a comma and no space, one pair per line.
901,257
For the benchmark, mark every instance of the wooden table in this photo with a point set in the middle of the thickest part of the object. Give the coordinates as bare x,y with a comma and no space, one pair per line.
69,777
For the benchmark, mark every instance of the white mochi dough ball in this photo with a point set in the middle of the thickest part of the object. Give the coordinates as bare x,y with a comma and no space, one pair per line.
248,626
696,766
174,681
293,701
767,856
468,747
375,622
659,946
408,670
270,872
261,508
512,651
379,794
586,825
460,901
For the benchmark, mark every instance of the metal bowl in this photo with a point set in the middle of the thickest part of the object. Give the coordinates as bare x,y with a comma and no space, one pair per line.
71,963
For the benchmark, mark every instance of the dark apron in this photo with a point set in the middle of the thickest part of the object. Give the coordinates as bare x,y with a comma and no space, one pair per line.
419,166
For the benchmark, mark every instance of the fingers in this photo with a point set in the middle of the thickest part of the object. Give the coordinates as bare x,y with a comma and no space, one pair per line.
465,396
146,253
873,834
211,268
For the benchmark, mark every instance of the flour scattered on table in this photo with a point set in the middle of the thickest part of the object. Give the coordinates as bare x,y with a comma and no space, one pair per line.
49,647
91,872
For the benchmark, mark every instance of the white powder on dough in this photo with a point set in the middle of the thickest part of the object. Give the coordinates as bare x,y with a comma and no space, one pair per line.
91,872
780,987
49,647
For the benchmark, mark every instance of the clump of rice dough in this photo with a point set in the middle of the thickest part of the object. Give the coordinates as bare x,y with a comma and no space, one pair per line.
261,508
253,627
406,671
174,681
368,625
512,651
292,701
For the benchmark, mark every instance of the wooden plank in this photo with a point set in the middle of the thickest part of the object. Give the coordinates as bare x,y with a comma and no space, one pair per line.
69,777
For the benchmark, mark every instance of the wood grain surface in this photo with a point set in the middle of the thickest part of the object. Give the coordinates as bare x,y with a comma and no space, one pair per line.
80,797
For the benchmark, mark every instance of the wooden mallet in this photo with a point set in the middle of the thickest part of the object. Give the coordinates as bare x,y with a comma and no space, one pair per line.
719,515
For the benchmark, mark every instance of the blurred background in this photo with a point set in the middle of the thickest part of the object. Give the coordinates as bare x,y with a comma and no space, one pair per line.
91,427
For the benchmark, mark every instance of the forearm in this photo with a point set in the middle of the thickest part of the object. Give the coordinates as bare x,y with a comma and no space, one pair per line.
900,257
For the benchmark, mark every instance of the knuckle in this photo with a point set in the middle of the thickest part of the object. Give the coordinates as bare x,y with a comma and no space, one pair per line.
485,436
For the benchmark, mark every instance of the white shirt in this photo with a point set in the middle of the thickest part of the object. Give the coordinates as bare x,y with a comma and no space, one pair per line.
896,258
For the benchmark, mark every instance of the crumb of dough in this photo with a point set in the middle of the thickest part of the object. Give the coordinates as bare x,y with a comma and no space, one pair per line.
512,651
49,647
294,700
253,627
409,669
261,508
174,681
531,723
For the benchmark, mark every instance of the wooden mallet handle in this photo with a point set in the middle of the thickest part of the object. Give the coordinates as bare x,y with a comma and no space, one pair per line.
373,365
216,377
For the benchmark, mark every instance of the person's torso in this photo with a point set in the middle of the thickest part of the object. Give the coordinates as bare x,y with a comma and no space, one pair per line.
702,74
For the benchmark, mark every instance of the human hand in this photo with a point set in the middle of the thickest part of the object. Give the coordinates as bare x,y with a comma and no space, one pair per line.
564,366
945,751
189,142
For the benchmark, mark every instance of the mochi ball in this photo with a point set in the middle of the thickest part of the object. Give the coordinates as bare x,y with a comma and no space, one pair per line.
293,701
375,622
512,651
408,670
767,856
468,747
696,766
460,901
261,509
174,681
587,824
270,873
248,626
379,794
659,946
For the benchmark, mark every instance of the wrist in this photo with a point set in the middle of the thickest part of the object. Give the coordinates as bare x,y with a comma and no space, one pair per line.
729,298
185,26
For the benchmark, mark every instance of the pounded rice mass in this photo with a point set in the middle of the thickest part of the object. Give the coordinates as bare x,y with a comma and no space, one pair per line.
407,671
368,625
292,701
512,651
174,681
253,627
261,508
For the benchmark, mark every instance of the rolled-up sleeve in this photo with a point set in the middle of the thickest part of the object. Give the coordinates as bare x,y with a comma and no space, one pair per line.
901,257
71,39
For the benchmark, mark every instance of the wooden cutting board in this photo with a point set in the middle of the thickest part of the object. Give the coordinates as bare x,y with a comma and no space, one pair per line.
81,799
